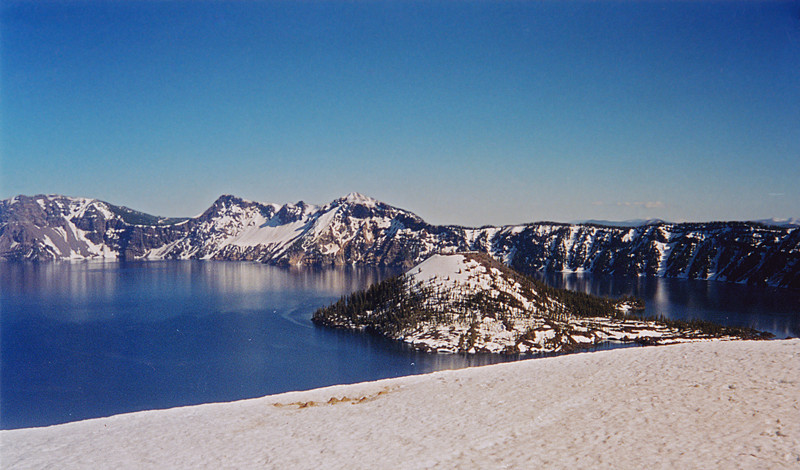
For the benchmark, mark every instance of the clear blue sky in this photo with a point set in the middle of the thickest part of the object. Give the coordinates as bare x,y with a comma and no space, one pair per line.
463,112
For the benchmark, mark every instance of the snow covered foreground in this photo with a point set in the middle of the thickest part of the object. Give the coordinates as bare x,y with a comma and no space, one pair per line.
699,405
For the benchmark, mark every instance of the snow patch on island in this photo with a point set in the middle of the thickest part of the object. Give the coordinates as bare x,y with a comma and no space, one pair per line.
467,302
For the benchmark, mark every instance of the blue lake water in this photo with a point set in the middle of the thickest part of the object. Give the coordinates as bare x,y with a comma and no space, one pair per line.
83,340
763,308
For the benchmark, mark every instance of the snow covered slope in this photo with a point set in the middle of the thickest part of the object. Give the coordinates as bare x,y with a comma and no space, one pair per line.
57,227
776,222
726,251
351,229
471,303
356,229
730,404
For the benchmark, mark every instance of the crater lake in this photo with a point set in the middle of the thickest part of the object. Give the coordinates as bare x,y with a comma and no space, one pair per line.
89,339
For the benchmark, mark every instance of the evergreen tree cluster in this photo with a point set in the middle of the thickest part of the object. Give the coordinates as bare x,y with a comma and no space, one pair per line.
559,303
395,305
577,304
399,305
385,307
712,329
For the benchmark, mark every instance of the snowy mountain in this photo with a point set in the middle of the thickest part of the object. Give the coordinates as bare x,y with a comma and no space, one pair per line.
622,223
356,229
471,303
55,227
776,222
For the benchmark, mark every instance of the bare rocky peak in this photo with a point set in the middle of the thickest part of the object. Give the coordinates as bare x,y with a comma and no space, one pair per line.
357,229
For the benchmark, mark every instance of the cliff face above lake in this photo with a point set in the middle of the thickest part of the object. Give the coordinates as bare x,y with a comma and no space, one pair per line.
356,229
471,303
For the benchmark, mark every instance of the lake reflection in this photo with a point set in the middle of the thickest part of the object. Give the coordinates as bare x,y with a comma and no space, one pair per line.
82,340
90,339
93,290
763,308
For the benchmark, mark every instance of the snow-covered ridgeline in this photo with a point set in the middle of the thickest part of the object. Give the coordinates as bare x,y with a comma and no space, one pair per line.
703,405
357,229
55,226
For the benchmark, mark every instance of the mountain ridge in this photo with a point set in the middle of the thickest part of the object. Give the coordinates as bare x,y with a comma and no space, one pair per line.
357,229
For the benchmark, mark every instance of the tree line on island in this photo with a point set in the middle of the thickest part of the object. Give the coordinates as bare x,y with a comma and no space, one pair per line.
398,304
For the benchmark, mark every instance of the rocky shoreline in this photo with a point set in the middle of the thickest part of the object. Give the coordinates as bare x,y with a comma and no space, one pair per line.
469,303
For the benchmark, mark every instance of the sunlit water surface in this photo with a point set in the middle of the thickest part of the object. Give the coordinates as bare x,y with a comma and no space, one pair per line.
83,340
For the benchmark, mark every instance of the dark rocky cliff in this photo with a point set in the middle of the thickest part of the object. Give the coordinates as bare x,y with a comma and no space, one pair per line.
359,230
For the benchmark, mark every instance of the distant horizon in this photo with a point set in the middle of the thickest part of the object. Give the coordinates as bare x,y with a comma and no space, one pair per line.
793,221
465,113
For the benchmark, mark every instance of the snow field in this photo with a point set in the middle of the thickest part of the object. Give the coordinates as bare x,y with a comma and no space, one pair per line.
698,405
